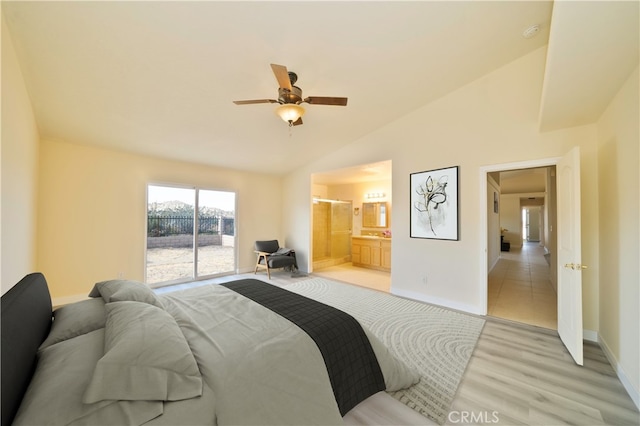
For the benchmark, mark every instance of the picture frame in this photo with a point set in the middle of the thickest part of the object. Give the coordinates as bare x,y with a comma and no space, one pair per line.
434,209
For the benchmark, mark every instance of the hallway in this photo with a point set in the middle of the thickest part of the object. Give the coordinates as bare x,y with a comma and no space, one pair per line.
520,288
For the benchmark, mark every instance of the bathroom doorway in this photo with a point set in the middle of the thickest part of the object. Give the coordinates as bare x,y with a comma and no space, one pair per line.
338,197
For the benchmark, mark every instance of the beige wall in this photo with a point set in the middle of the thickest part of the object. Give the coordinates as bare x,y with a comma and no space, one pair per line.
92,204
493,120
618,185
19,175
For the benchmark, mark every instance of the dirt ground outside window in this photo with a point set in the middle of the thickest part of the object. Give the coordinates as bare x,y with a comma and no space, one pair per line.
166,264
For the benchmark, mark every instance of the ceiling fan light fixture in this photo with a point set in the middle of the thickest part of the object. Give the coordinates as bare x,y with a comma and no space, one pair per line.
290,112
290,97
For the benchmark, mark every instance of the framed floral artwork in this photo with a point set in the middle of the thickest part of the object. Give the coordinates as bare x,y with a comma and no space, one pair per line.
434,204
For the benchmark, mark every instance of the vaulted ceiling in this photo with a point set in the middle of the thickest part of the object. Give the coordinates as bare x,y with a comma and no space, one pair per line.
159,78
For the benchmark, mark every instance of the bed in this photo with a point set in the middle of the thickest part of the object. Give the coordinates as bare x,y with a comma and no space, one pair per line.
244,352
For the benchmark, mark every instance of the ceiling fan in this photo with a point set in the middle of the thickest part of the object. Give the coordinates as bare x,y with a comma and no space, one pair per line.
290,97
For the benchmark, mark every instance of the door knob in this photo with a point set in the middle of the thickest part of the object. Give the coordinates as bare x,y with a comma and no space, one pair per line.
575,266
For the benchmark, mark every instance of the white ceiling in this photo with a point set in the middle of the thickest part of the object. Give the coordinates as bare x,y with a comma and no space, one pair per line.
379,171
593,48
159,78
523,181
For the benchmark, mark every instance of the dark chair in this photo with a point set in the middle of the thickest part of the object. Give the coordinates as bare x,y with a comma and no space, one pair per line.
272,256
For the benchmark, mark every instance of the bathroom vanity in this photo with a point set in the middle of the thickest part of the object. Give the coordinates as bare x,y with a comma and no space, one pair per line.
371,252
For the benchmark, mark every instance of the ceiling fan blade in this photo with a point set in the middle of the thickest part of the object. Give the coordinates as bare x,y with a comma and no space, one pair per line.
325,100
256,101
297,122
282,75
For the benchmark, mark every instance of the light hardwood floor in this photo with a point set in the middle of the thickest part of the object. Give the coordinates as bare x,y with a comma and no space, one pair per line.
522,374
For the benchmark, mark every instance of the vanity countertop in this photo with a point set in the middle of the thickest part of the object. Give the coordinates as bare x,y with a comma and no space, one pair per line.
370,237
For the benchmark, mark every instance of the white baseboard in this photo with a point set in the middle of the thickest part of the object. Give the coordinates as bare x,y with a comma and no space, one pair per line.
494,264
624,378
435,301
590,336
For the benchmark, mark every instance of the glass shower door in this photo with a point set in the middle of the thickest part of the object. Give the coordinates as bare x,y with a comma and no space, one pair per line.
332,227
341,225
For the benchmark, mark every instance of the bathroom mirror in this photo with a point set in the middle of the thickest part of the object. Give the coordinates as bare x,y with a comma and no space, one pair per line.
375,215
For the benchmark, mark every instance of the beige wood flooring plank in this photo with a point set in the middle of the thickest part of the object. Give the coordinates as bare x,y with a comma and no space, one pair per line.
527,376
465,405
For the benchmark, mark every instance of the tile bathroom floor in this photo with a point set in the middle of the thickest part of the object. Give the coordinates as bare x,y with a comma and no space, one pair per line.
364,277
520,288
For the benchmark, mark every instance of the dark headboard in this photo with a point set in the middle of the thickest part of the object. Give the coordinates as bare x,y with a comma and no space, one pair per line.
26,321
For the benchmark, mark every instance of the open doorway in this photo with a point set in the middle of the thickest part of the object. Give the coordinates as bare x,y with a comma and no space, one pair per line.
564,240
533,222
521,282
341,201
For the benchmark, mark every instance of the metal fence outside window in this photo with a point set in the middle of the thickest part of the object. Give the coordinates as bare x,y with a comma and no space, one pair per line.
162,226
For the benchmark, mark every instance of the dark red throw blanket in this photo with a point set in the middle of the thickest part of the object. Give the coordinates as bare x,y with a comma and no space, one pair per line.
351,363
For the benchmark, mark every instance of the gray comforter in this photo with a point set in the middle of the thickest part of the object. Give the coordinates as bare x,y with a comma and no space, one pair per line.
206,355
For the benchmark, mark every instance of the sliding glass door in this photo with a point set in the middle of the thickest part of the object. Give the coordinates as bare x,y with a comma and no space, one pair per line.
216,232
190,233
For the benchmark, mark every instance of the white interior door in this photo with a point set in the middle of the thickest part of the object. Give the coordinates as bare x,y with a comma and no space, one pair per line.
569,254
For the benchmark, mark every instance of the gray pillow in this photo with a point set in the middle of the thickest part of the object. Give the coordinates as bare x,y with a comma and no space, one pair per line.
74,320
146,357
63,372
125,290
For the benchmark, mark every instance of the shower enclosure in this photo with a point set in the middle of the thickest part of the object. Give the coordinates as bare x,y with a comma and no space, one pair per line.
332,224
